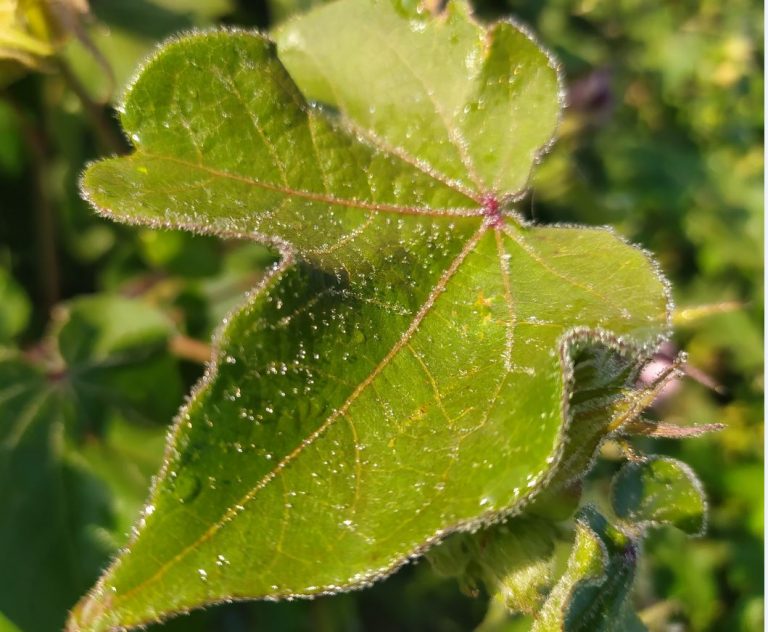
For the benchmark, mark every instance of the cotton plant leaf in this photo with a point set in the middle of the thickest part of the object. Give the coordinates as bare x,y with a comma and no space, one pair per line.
592,595
660,491
405,371
604,398
113,356
50,506
105,363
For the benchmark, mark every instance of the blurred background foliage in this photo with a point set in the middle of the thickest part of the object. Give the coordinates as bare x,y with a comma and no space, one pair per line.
103,328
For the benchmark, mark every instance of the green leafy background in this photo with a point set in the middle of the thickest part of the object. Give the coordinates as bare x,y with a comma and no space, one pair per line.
661,140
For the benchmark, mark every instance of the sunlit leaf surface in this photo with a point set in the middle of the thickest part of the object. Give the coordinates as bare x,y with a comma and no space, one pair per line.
405,371
515,560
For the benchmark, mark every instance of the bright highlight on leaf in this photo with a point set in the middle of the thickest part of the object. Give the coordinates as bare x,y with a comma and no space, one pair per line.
406,371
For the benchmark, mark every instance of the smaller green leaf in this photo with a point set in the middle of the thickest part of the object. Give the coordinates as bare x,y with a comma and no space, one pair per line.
6,625
50,507
125,459
556,503
660,490
592,594
60,424
180,253
114,355
514,560
14,307
95,328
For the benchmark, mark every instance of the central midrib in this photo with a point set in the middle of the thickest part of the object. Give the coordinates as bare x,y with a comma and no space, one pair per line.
319,197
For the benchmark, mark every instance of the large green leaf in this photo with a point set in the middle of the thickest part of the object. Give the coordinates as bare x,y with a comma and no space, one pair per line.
405,371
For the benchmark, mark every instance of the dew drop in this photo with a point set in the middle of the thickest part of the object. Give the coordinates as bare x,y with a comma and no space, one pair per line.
221,560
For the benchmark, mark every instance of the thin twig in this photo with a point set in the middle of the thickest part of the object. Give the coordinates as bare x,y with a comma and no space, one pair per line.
190,349
686,315
45,223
